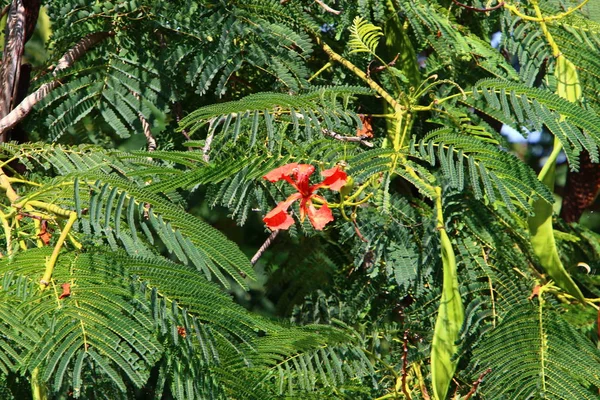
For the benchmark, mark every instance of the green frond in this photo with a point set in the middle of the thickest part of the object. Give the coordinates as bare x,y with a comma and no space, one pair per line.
489,169
120,90
260,110
535,107
364,36
550,358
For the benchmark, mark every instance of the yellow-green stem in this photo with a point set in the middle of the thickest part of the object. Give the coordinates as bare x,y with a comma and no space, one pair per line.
450,313
54,257
320,71
358,72
38,389
7,233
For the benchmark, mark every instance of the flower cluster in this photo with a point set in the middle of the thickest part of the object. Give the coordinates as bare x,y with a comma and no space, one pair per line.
298,176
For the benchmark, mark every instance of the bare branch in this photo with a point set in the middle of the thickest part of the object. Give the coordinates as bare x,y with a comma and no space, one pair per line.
337,136
264,246
327,8
24,108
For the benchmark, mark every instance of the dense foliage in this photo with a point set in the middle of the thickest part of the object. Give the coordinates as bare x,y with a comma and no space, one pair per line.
432,262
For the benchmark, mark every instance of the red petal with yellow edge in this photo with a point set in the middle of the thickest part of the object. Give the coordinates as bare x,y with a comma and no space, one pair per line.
319,218
335,178
281,173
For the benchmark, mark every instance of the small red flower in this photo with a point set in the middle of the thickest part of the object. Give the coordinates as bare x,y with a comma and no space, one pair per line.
181,331
298,176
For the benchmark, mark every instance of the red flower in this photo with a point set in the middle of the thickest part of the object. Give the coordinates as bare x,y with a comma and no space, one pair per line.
298,175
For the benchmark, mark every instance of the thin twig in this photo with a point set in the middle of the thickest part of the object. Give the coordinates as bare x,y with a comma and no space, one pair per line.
150,140
177,111
337,136
212,127
264,246
25,107
497,6
477,383
327,8
360,236
4,11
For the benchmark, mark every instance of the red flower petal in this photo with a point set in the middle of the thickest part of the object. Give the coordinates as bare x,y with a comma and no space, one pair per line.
302,174
335,178
319,218
281,173
278,218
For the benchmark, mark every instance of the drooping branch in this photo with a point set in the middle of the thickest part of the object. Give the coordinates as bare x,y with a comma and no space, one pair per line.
25,107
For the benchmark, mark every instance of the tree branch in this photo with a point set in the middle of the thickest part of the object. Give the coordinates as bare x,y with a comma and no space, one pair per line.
25,107
13,53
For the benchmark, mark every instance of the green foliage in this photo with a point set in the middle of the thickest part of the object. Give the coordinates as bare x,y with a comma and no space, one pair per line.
425,279
551,358
364,36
